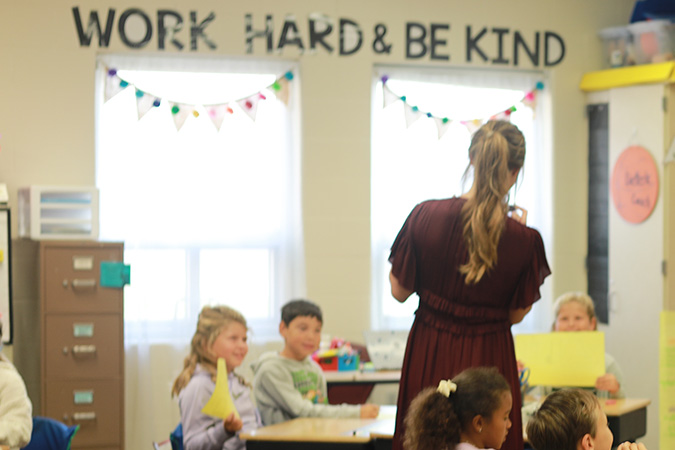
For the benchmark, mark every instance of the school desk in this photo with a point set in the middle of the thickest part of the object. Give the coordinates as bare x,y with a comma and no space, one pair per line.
627,418
355,386
310,433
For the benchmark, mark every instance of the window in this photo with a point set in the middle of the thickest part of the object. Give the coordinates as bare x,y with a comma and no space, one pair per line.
411,164
208,216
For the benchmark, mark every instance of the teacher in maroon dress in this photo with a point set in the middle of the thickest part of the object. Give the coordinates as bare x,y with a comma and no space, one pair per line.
477,269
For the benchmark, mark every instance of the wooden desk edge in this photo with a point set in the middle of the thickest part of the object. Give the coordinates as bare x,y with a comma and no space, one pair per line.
380,376
622,406
357,438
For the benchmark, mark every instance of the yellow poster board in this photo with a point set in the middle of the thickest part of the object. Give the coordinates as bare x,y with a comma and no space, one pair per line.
221,404
667,380
562,358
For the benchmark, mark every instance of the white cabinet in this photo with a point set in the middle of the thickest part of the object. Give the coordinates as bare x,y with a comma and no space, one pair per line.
642,255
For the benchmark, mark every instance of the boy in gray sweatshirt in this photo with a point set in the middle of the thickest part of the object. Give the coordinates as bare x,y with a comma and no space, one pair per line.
289,384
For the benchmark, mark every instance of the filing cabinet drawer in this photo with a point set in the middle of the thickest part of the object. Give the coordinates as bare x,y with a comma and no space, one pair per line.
93,404
71,279
83,346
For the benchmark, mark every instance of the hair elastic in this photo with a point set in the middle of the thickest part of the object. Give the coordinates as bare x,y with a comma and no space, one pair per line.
446,387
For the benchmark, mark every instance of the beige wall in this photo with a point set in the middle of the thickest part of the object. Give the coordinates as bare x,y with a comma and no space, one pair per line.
47,113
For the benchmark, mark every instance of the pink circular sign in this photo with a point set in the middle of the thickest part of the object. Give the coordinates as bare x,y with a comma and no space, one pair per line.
635,184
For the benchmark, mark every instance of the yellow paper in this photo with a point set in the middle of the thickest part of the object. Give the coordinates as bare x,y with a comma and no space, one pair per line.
221,404
562,358
667,380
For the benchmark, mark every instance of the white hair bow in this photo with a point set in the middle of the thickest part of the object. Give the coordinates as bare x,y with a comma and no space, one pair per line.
445,387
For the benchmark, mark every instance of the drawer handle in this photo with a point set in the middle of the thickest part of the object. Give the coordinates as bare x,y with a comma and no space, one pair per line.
82,416
87,283
84,349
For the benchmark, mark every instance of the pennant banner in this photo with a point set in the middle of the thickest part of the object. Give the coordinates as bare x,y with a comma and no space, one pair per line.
413,113
181,111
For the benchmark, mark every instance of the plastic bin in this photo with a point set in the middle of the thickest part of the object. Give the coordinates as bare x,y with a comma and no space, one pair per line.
618,46
653,41
58,212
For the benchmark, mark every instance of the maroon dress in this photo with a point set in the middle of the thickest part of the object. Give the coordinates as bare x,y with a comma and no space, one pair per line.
458,325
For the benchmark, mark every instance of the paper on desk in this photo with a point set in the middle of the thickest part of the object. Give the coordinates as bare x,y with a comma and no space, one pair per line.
562,358
221,404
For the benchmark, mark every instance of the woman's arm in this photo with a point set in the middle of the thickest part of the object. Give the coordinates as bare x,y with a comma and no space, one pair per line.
399,292
517,315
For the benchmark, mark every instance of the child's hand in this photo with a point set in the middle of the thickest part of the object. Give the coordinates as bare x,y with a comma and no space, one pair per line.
607,382
232,423
631,446
369,411
521,365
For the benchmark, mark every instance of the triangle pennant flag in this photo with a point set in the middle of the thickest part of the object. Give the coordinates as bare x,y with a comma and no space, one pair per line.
217,113
411,114
530,100
113,84
250,104
503,115
472,125
221,404
281,89
388,96
180,113
442,124
145,102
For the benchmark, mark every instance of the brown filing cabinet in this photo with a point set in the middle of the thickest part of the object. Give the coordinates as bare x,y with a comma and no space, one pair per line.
82,342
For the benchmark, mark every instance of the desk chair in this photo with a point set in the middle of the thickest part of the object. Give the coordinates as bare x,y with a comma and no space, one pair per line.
175,441
176,438
50,434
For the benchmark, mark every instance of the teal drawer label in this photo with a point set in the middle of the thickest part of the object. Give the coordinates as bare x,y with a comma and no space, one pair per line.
83,329
83,397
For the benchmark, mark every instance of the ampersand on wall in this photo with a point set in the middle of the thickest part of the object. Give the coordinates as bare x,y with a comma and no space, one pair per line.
635,184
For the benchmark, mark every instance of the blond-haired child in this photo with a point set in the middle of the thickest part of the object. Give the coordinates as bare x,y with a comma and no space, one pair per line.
572,419
575,311
221,333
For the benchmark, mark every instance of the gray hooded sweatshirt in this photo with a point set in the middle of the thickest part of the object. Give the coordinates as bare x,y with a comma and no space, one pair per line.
285,389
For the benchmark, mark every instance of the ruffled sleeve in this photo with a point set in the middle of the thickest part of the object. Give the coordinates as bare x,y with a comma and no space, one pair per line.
533,275
402,257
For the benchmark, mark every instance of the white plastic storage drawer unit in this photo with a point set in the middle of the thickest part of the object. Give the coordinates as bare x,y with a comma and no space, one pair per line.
58,212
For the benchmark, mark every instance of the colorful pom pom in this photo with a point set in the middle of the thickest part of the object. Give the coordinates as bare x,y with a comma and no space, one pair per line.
288,75
124,83
156,103
175,109
112,72
540,85
276,86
